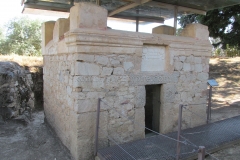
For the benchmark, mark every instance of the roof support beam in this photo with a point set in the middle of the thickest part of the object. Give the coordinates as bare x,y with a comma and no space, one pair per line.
180,8
128,6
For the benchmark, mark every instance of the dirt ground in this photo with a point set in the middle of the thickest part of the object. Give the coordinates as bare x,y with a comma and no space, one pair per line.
32,141
36,141
226,99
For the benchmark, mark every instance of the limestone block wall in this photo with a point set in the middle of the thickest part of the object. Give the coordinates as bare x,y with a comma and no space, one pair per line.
82,64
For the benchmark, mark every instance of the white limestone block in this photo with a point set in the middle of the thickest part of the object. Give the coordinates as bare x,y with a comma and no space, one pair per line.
61,26
88,15
82,68
127,65
182,58
153,58
197,60
202,76
106,71
103,60
198,68
84,57
98,82
186,67
178,66
196,30
118,71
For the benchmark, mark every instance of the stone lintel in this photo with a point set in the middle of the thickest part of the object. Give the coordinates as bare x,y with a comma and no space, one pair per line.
157,78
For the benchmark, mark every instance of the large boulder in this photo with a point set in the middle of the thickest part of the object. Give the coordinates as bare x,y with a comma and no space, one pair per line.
15,89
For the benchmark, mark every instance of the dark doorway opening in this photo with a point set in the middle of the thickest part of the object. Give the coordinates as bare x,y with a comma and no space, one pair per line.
152,108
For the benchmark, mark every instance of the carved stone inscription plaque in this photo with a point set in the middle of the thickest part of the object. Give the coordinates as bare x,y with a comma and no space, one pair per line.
153,58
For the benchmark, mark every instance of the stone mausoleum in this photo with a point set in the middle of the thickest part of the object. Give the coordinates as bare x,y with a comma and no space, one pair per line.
142,76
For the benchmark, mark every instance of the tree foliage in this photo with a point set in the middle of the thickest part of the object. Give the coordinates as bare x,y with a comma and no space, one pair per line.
222,23
23,37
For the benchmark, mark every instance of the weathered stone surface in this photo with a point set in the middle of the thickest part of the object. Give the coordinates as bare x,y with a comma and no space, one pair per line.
198,67
47,34
87,15
127,65
84,57
178,66
196,30
140,96
202,76
153,58
168,92
154,79
82,68
107,71
118,71
163,29
61,26
103,60
92,63
187,67
16,90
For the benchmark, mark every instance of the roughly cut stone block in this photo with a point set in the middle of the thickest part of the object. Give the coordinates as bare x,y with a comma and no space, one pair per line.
61,26
127,65
118,71
186,67
82,68
107,71
163,29
196,30
202,76
198,67
88,15
84,57
103,60
47,34
178,66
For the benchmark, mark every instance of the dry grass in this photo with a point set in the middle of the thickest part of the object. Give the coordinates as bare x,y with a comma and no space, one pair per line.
30,62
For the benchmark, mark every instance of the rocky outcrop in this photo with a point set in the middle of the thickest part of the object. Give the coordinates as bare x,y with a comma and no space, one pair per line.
16,92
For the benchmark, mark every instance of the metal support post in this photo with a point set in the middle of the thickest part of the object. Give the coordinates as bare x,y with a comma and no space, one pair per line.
137,21
209,105
98,2
97,127
179,130
175,18
201,153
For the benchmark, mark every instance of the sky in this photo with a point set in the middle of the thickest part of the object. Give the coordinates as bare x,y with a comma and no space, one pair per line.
12,8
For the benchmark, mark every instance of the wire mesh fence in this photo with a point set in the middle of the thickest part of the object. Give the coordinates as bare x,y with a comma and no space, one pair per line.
156,146
210,133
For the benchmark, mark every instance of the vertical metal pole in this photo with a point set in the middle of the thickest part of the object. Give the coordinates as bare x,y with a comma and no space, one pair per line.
201,153
209,105
98,2
175,18
179,131
137,21
97,127
137,24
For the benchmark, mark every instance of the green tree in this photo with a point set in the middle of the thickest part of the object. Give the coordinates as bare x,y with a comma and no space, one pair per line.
222,23
23,37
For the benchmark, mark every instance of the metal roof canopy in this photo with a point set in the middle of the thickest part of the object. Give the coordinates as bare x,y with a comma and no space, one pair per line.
139,10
